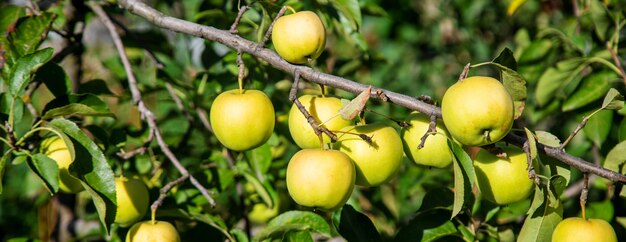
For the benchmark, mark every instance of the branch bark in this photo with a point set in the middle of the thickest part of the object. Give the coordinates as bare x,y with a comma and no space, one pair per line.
240,44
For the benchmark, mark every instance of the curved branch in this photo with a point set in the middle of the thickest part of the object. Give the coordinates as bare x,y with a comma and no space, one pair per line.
243,45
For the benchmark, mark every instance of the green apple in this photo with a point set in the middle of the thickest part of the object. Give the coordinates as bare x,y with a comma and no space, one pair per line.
477,111
299,37
581,230
377,162
261,213
435,151
242,120
324,110
321,179
132,200
56,149
503,180
149,231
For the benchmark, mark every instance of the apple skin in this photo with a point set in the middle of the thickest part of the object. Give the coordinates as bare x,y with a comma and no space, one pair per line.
242,121
503,181
477,111
435,152
299,37
159,231
132,200
581,230
322,109
56,149
321,179
375,163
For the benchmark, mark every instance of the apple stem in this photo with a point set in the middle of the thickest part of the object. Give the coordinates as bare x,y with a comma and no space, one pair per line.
432,130
583,194
323,89
153,215
465,72
291,9
241,73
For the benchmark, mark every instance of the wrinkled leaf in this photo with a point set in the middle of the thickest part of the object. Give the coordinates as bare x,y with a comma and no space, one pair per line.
598,127
613,100
616,158
592,88
351,109
547,139
47,170
293,220
91,167
355,226
27,64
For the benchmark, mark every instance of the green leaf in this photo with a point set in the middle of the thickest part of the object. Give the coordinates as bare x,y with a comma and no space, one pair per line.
78,105
536,51
30,32
430,225
239,235
532,143
91,167
3,162
505,60
464,177
547,139
592,88
260,160
55,79
20,74
598,127
293,220
213,221
8,16
47,170
514,83
96,86
601,20
613,100
355,226
297,236
545,213
615,158
604,210
351,10
260,189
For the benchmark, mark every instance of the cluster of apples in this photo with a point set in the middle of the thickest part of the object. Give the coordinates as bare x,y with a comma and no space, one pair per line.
131,194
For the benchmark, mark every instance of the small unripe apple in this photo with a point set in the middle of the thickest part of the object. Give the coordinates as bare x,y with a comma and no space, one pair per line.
56,149
377,162
148,231
435,151
581,230
324,110
321,179
132,200
477,111
299,37
503,180
242,120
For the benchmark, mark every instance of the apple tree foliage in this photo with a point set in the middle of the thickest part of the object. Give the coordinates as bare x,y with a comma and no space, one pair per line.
562,61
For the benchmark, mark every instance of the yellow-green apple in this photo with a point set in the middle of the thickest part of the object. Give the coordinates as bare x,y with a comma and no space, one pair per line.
377,162
435,151
324,110
132,200
149,231
503,180
321,179
581,230
242,120
56,149
477,111
299,37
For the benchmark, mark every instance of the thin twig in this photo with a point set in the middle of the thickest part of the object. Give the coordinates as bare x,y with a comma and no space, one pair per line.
432,129
271,58
147,114
400,123
617,61
268,34
233,28
583,193
579,127
317,128
203,119
163,191
465,72
529,162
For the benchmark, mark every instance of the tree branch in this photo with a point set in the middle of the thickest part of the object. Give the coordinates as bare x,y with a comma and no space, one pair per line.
240,44
146,113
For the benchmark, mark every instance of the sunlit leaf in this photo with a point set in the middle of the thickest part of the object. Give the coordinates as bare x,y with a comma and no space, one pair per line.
78,105
592,88
30,32
616,158
532,143
293,220
350,110
513,6
25,65
545,213
613,100
547,139
464,177
351,10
